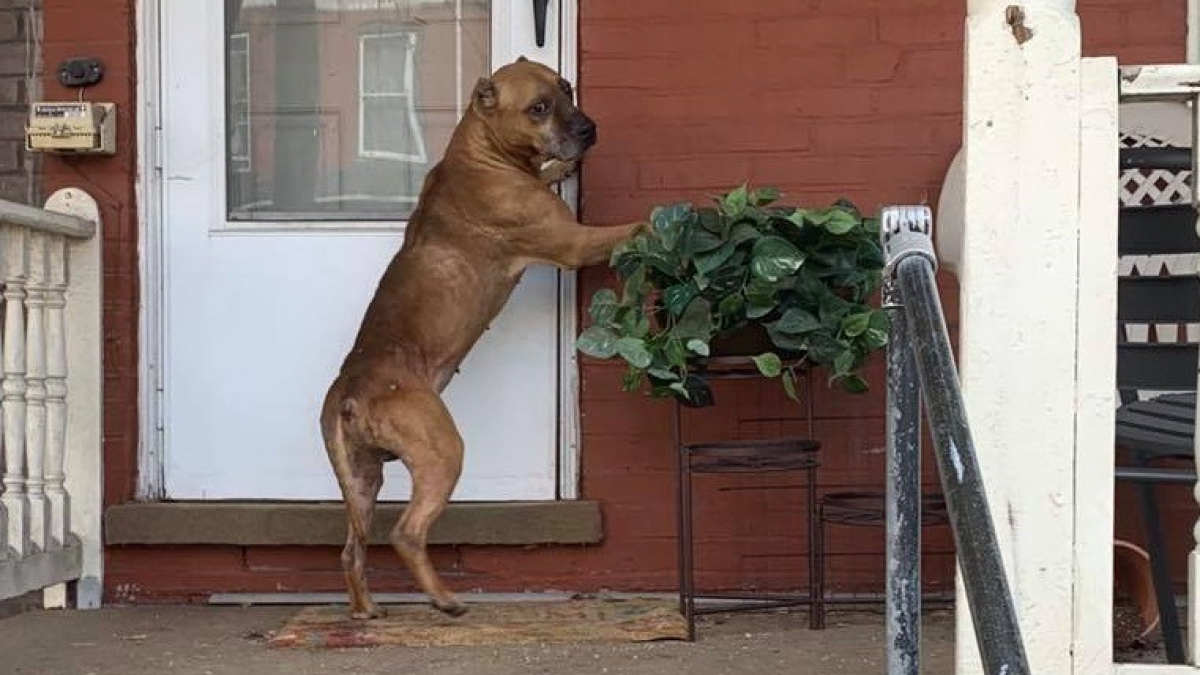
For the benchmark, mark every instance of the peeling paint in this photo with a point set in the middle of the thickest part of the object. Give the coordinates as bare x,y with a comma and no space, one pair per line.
1015,17
956,460
1130,73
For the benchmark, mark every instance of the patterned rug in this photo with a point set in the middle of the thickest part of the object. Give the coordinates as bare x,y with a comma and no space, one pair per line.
588,620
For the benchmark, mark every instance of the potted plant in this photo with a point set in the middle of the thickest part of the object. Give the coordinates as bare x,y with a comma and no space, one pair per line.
785,286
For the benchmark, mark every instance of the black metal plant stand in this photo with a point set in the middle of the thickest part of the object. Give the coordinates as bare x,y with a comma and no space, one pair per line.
739,456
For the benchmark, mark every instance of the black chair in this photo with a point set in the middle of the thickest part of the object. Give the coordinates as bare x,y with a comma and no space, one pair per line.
1157,365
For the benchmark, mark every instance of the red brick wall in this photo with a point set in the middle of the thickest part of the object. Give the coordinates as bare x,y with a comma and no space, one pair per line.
825,98
106,29
19,82
1136,32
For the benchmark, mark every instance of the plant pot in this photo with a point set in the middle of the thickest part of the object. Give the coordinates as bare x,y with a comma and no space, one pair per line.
749,340
1134,581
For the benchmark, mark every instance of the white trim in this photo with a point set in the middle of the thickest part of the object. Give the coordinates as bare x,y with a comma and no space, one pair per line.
569,446
150,271
1193,31
414,125
508,35
1152,669
1095,369
458,59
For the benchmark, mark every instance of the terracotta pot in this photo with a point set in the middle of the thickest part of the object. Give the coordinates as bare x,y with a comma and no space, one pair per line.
1133,579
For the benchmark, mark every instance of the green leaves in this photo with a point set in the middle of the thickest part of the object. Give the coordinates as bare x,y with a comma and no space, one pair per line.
854,384
763,196
835,219
678,297
696,322
670,222
856,324
789,385
604,306
806,275
634,351
775,257
598,341
769,364
734,204
796,321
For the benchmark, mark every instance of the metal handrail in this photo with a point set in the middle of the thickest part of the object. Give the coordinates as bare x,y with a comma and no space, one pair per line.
41,220
919,345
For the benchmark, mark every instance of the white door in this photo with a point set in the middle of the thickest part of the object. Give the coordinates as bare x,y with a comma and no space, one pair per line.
296,134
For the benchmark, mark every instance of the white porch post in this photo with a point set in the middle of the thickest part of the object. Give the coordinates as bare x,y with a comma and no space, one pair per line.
1024,315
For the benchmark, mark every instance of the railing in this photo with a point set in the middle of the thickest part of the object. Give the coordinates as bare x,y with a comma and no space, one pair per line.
50,394
920,346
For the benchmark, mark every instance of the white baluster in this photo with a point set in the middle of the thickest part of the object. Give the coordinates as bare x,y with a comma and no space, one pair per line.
35,391
13,387
56,393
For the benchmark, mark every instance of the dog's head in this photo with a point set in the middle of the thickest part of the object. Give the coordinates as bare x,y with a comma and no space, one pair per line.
532,112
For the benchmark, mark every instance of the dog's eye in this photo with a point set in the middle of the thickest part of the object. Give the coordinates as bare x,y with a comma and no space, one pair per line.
566,88
539,109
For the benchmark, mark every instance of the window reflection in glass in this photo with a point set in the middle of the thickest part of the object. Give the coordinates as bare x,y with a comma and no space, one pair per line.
336,109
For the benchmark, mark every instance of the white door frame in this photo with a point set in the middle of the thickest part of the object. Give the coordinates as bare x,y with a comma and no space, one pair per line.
150,186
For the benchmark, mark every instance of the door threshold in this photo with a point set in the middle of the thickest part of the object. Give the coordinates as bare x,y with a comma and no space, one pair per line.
248,599
324,523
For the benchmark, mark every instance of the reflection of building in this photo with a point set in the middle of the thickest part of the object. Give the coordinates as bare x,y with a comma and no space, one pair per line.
337,107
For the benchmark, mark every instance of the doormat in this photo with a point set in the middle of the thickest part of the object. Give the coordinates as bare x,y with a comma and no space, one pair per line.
586,620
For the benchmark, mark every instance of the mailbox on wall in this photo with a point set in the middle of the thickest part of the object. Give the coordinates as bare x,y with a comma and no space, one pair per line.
78,127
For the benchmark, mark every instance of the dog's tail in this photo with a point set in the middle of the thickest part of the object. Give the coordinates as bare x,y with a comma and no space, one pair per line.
333,428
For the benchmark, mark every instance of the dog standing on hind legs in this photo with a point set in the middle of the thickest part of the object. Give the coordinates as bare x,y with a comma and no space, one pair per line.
486,212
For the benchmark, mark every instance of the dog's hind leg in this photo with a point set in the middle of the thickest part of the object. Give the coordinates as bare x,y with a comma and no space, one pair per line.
421,432
360,475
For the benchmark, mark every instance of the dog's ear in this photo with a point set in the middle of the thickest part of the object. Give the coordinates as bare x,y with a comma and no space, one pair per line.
484,96
521,59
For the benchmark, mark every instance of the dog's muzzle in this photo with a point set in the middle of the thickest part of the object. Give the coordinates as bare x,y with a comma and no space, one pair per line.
584,130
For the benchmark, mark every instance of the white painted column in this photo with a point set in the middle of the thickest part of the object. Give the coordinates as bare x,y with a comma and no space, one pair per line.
1096,346
83,392
1018,277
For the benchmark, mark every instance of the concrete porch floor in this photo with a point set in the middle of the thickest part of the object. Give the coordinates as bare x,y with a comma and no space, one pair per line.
197,640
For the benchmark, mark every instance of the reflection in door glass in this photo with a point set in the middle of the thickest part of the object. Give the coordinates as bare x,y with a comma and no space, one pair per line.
336,109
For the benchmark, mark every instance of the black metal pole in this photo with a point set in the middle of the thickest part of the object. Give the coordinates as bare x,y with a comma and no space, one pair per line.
992,612
903,503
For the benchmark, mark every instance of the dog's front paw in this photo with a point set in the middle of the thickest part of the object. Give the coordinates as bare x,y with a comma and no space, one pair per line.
372,612
453,608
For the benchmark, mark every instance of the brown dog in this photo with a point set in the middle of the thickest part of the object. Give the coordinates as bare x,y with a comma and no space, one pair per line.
485,213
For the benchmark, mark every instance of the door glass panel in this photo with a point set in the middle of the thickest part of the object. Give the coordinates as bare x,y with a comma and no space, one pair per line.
336,109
